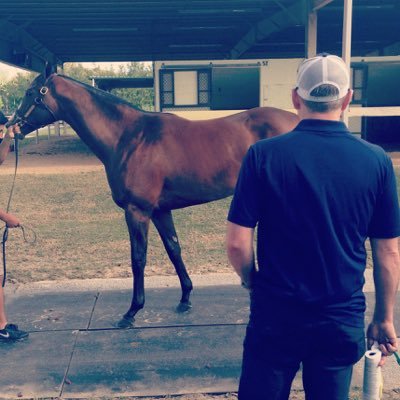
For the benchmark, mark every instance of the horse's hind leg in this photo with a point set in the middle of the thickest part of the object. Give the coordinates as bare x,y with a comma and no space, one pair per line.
138,226
165,225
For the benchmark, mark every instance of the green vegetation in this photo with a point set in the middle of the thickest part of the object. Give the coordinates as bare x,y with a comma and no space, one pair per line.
12,91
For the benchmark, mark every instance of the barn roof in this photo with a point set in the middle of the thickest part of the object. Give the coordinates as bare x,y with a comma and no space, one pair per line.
132,30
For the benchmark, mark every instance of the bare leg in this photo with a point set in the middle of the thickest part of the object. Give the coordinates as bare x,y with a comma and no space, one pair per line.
165,226
3,317
138,225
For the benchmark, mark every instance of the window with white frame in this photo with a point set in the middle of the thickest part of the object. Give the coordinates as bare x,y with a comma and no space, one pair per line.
189,88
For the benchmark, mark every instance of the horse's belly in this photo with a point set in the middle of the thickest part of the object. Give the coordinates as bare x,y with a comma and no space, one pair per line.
196,193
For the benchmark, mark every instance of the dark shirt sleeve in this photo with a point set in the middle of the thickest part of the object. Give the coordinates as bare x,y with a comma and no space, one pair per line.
385,222
245,205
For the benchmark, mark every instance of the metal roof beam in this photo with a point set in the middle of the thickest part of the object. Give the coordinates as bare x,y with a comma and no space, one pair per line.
21,49
289,16
317,4
312,24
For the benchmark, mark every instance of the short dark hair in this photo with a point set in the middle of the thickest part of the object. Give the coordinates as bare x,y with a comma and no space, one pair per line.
3,119
323,91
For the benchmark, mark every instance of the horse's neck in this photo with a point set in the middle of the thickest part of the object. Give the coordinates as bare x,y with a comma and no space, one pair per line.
89,118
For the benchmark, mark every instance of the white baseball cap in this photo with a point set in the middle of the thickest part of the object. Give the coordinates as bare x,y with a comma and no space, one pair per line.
324,69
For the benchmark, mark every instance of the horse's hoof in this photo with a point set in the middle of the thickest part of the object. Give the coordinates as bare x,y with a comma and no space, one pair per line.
184,307
125,323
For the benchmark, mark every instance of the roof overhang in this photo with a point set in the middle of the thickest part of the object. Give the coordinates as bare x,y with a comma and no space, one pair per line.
37,31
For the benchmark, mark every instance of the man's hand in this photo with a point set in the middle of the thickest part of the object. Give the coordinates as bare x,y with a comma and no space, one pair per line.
385,334
11,221
385,254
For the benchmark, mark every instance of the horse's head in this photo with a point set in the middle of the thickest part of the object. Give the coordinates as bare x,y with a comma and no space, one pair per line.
33,111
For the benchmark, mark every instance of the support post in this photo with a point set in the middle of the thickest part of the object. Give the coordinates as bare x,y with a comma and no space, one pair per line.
311,38
346,42
57,128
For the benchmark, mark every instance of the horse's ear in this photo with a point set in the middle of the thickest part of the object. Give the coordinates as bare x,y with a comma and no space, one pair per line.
50,69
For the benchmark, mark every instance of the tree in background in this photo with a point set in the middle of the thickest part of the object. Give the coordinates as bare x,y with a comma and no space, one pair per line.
12,91
142,98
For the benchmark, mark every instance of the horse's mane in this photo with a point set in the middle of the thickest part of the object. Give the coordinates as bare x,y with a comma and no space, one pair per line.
102,93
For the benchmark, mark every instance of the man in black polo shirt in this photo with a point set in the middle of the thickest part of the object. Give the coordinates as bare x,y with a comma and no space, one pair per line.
316,194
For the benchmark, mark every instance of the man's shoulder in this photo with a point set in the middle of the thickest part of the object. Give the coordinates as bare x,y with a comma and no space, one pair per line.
370,148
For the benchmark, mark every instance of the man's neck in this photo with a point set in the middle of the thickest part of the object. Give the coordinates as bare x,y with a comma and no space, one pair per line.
329,116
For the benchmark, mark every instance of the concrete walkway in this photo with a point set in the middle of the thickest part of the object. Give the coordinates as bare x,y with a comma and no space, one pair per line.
75,352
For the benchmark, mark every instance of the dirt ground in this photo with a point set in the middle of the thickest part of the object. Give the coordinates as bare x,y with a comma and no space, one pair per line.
49,157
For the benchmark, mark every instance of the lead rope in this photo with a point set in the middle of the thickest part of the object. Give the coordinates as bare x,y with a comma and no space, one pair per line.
24,229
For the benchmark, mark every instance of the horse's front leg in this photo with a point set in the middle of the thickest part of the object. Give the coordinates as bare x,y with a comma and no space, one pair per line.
165,226
138,226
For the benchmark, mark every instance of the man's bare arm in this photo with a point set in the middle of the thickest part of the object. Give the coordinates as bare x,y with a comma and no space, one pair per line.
385,254
240,250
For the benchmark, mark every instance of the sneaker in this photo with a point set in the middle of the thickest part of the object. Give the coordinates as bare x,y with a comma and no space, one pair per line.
11,333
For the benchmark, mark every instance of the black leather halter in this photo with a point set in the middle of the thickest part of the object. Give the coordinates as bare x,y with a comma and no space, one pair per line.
22,120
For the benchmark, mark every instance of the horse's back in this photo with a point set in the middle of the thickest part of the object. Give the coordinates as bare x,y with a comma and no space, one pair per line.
214,147
265,121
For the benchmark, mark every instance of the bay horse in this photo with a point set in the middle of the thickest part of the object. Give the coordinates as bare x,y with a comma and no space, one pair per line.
155,162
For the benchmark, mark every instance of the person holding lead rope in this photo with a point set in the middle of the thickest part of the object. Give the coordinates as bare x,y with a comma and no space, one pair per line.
8,332
315,194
